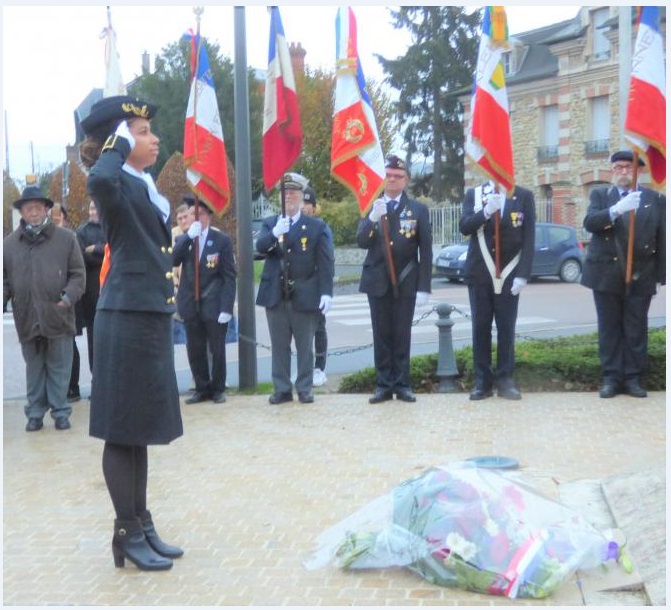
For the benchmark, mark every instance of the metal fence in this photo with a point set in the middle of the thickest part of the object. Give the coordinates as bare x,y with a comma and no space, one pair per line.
445,220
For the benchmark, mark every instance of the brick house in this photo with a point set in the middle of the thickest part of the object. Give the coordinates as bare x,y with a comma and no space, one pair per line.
564,96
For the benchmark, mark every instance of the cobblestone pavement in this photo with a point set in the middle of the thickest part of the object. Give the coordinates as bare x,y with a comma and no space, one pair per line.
250,486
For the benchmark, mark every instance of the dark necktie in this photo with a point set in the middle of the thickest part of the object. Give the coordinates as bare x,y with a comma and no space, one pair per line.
391,206
624,194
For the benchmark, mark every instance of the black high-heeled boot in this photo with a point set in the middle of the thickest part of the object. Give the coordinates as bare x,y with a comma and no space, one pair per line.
129,542
154,540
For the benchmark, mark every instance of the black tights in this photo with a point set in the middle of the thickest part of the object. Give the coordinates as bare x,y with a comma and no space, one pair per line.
125,471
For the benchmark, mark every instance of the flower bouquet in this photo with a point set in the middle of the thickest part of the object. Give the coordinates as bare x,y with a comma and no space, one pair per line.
472,528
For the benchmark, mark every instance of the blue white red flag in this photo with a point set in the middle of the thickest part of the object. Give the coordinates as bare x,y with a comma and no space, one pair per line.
645,123
356,153
489,137
204,149
282,139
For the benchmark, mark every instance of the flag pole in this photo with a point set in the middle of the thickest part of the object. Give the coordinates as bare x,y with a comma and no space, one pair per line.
632,222
198,11
388,255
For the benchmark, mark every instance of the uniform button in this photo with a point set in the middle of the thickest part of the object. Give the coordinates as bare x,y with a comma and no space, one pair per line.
170,300
170,250
168,275
163,249
288,249
391,243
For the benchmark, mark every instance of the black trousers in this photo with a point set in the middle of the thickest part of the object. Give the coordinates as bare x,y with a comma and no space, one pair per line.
391,319
623,335
487,307
201,334
321,342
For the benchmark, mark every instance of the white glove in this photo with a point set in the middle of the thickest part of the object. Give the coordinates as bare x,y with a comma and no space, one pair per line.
224,317
281,227
194,230
379,210
325,303
495,202
628,203
123,131
421,299
518,284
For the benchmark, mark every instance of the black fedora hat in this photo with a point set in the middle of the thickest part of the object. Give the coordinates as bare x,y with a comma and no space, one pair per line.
108,111
626,155
32,193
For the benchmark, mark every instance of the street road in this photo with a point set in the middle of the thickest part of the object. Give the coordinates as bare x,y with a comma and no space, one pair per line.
547,308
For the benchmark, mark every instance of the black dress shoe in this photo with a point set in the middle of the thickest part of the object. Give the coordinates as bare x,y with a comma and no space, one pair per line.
279,397
306,398
73,395
509,392
406,396
480,394
34,424
219,397
608,390
633,388
62,423
197,397
380,396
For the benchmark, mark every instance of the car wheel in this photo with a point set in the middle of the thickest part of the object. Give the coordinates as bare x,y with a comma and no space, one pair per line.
570,271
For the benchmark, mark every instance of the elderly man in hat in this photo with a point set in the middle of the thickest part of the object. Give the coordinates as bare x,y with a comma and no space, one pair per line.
205,305
44,276
296,285
621,308
396,276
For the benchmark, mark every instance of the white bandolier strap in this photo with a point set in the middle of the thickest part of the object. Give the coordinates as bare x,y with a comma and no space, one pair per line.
505,272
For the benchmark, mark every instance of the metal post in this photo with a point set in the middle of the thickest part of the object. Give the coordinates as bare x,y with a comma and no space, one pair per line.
247,374
446,368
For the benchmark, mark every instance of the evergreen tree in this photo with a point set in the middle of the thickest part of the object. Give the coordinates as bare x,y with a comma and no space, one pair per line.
439,64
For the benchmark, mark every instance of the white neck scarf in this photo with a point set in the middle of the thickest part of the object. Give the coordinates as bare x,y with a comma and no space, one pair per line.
156,198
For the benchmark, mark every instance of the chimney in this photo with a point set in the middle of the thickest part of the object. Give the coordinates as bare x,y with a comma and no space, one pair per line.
145,63
297,54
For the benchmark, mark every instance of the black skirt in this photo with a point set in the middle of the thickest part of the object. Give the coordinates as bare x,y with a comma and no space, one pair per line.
134,395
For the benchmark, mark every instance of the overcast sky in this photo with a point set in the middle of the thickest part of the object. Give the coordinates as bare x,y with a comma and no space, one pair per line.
53,56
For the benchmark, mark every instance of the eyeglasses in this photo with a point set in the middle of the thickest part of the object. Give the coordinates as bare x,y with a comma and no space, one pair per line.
395,176
623,168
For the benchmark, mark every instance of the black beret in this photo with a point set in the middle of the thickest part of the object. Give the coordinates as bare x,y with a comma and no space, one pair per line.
309,195
626,155
190,200
395,162
110,110
32,193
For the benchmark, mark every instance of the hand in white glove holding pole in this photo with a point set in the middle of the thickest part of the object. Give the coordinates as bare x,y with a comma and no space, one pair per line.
281,227
495,202
379,210
195,229
629,203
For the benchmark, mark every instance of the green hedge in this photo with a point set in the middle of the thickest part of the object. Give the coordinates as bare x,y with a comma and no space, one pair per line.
564,364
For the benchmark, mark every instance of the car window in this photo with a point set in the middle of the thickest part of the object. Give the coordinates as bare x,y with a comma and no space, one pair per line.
560,236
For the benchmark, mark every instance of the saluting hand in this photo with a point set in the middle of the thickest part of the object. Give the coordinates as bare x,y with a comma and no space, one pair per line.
124,132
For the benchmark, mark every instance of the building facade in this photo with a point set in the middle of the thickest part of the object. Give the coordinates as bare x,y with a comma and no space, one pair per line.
563,85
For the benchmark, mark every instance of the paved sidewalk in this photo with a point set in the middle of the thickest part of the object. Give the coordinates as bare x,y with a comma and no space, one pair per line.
250,486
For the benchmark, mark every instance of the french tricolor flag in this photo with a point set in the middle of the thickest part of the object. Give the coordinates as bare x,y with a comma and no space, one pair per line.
282,140
204,149
645,124
356,153
489,141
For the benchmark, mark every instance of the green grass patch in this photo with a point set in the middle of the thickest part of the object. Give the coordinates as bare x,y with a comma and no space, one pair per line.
563,364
